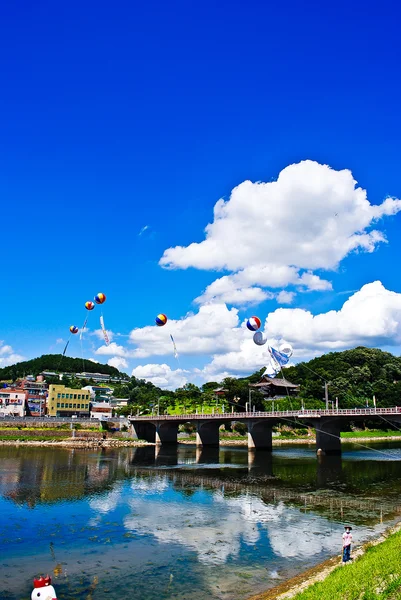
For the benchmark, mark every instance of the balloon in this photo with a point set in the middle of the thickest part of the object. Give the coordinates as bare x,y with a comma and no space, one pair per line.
100,298
253,323
89,305
286,349
74,329
161,320
259,338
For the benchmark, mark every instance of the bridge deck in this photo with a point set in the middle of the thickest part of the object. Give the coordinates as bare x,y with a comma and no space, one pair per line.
314,414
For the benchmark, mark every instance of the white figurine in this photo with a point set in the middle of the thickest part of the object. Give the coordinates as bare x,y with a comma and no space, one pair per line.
43,589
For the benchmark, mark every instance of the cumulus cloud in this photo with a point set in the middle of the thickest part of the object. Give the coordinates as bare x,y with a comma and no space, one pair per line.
8,356
161,375
99,334
285,297
214,328
118,362
370,317
267,234
113,349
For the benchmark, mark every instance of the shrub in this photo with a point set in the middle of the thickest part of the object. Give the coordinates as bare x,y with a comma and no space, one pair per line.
240,428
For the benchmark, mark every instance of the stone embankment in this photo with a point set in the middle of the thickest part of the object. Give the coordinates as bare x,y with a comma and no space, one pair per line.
87,442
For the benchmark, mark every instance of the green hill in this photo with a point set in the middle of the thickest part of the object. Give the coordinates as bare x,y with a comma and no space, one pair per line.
354,376
56,362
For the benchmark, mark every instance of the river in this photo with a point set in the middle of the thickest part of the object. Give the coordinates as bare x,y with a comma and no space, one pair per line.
147,523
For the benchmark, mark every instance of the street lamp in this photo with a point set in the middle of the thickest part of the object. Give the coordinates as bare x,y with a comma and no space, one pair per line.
248,406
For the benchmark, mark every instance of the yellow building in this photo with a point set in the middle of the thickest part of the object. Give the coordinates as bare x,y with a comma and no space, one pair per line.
66,402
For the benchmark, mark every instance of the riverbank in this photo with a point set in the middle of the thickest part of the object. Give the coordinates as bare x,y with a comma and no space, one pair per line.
303,441
333,584
76,442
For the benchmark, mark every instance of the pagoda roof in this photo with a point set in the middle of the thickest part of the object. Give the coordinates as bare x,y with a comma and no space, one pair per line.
265,381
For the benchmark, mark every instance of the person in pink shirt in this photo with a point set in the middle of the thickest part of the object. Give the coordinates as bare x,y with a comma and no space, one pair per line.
347,539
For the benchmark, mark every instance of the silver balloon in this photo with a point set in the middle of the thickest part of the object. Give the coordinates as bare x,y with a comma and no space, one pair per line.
259,338
286,349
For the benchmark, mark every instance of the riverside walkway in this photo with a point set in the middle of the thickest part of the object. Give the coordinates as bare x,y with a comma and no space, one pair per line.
163,429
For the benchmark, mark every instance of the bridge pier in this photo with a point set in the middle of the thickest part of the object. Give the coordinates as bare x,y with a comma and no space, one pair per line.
207,433
144,431
260,463
166,432
166,455
328,440
208,454
260,435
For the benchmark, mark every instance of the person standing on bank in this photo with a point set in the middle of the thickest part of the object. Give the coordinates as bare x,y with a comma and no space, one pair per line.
347,539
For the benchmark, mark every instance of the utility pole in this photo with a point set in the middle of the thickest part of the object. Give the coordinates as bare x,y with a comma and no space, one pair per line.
326,394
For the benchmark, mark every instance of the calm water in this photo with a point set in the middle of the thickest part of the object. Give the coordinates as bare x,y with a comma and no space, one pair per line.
138,523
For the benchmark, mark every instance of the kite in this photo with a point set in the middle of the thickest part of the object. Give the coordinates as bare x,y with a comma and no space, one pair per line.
106,337
89,305
161,320
259,338
253,323
277,359
100,298
174,346
74,329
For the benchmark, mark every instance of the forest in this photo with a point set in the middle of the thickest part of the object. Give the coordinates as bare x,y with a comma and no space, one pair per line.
353,378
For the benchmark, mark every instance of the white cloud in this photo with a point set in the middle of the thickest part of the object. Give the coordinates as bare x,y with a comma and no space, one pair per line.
214,328
118,362
371,317
112,349
266,234
161,375
245,519
285,297
8,356
313,282
5,350
99,334
231,290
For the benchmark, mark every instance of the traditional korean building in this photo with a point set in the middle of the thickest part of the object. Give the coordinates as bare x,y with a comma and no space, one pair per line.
273,387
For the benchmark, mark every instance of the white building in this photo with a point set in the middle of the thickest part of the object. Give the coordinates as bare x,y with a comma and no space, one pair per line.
12,402
101,410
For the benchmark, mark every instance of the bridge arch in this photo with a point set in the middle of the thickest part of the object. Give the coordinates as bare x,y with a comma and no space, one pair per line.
260,435
207,433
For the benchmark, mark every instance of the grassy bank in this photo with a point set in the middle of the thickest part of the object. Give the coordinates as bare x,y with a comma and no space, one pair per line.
375,574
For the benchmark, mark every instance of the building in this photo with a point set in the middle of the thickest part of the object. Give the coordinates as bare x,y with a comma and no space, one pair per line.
93,376
274,388
119,402
220,391
67,402
101,410
99,393
12,402
36,395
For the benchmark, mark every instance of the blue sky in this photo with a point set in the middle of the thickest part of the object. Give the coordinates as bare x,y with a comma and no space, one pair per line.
126,116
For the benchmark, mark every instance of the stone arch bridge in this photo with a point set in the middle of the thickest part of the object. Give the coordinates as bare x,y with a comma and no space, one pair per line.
163,429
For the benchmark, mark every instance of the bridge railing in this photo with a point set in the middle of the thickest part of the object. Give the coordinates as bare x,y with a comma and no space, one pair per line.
311,413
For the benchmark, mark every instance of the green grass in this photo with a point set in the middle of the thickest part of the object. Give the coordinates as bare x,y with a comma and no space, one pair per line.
370,433
374,576
31,438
